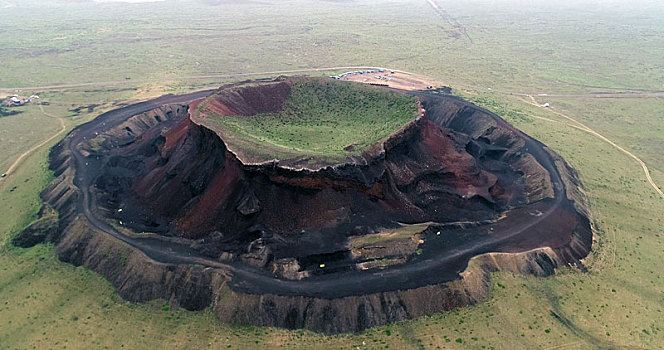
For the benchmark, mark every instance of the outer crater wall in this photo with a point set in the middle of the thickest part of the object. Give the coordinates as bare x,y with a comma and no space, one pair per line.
141,270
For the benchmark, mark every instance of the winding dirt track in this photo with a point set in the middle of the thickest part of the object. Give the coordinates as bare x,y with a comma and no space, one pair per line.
446,263
453,22
587,129
18,160
622,94
643,94
189,77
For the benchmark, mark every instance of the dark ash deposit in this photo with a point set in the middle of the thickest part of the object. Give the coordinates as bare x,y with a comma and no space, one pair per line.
164,208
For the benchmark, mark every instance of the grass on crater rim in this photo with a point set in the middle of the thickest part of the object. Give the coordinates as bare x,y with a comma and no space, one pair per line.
322,118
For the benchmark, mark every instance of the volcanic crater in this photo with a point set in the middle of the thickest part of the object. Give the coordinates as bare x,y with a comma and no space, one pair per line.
404,213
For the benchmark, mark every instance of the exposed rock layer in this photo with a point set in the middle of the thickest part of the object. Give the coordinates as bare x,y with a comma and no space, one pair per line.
459,163
436,169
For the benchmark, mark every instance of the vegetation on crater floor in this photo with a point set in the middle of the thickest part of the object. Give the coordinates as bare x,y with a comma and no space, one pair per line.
326,117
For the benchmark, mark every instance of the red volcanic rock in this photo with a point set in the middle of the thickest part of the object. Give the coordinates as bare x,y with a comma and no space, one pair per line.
294,247
194,185
439,151
252,100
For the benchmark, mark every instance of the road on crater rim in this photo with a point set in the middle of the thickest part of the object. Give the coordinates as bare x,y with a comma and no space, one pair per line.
254,280
435,268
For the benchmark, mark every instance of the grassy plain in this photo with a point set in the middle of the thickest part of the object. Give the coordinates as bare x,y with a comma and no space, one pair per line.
19,132
324,118
518,46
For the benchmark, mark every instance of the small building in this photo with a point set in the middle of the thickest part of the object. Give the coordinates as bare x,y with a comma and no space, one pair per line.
16,100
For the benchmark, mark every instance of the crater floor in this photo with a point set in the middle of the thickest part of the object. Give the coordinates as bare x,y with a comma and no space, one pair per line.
305,122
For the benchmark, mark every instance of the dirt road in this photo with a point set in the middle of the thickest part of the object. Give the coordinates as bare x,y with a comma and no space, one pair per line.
620,94
643,94
520,225
18,160
453,22
190,77
583,127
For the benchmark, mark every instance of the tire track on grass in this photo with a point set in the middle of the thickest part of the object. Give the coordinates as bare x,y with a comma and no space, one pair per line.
453,22
589,130
23,155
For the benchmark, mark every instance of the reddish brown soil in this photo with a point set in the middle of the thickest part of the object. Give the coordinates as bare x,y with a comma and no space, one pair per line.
249,101
458,170
192,185
426,176
398,80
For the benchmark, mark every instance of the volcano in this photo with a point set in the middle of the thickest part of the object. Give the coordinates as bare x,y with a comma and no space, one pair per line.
310,203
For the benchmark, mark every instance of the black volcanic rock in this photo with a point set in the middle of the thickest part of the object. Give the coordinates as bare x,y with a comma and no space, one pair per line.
272,245
43,230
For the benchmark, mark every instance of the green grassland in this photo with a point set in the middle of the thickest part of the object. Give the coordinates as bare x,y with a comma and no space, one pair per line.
49,304
534,46
322,118
603,44
19,132
638,123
